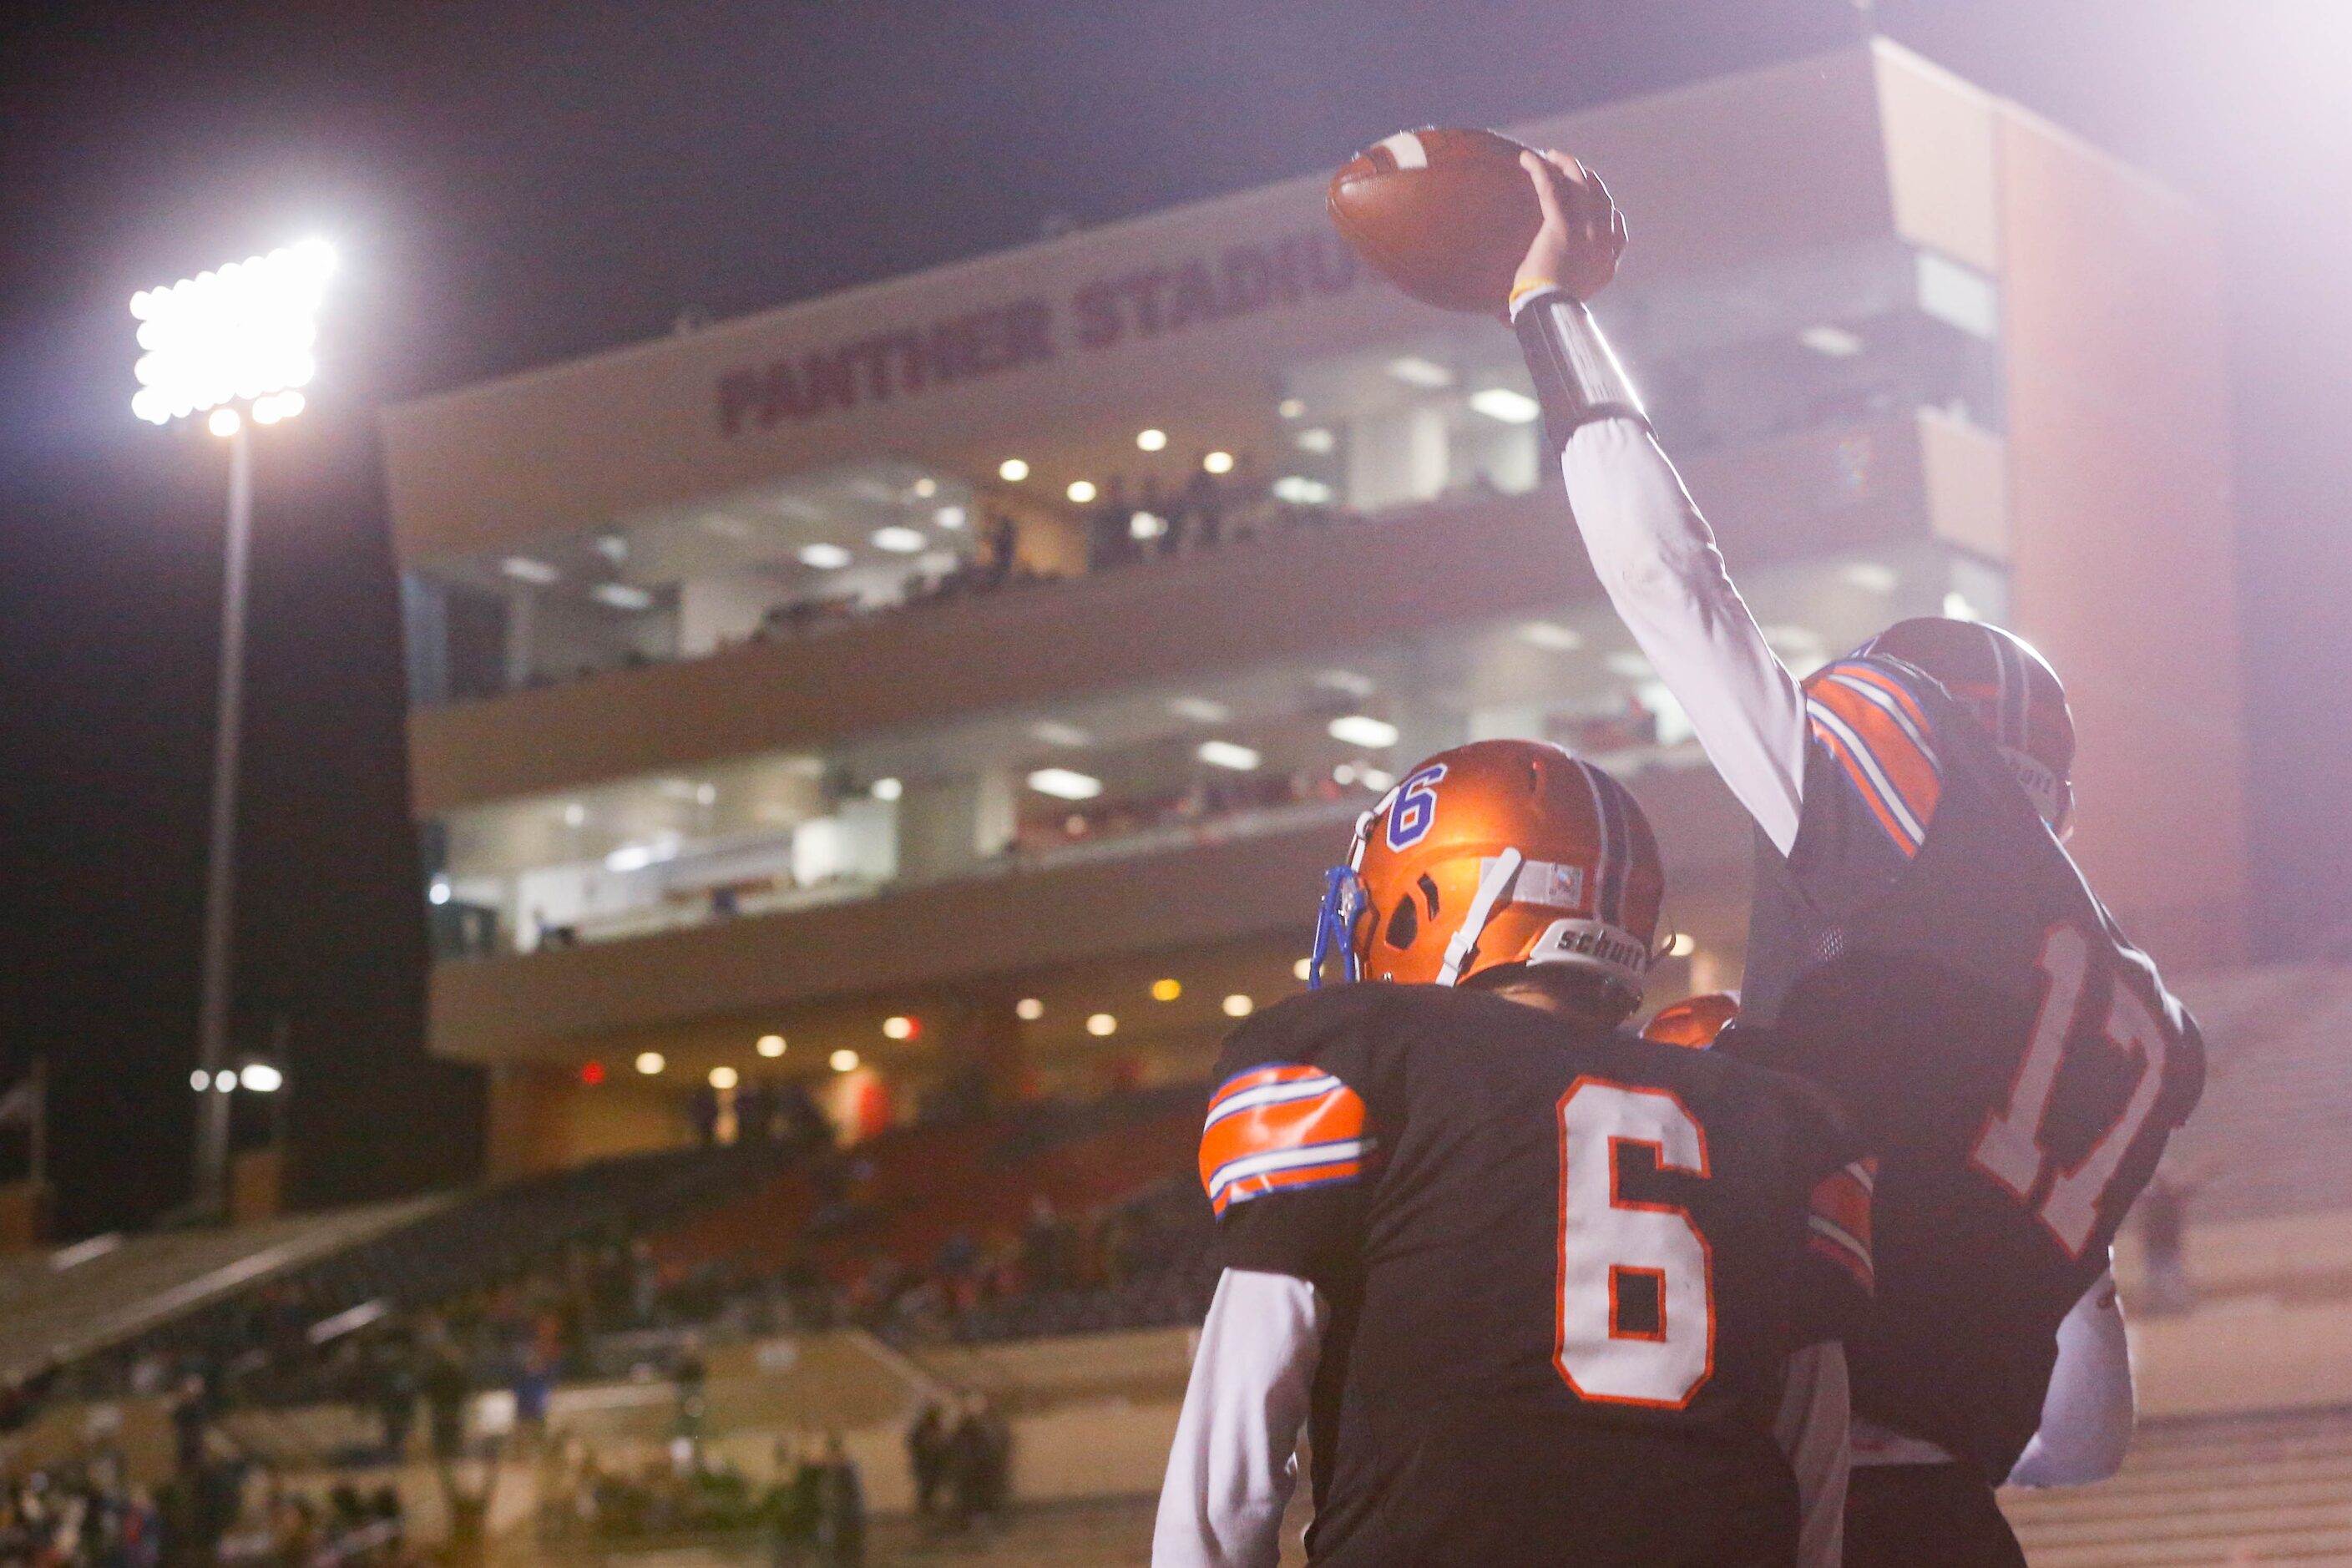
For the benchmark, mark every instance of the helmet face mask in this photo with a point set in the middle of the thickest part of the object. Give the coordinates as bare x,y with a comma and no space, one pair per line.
1496,855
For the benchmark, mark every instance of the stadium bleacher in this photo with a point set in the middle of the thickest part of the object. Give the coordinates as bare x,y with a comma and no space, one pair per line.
2266,1487
58,1307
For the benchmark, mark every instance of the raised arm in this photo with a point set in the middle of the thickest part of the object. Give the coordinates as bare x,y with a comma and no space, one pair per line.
1651,550
1231,1472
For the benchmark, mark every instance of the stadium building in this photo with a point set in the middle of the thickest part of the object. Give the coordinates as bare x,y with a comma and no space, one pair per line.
955,686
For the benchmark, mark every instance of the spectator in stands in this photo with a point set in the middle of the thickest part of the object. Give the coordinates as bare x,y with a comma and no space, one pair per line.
394,1380
795,1497
841,1508
927,1457
2163,1214
192,1419
1045,1246
446,1388
532,1385
978,1462
1201,524
691,1375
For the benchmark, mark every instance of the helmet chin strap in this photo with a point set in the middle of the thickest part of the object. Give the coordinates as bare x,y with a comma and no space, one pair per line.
1491,889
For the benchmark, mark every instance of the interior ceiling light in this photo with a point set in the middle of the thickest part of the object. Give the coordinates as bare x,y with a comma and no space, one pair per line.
1631,666
886,789
651,1062
898,1026
1200,710
1301,491
1218,462
926,487
844,1060
1345,680
1029,1009
824,557
622,596
1315,438
1228,754
770,1046
724,1078
899,540
1152,440
1237,1005
1415,371
1102,1024
1870,576
951,517
1166,989
1510,407
1082,491
1146,525
529,569
1551,636
1012,471
1363,730
1290,407
1832,341
1062,784
1054,732
1302,969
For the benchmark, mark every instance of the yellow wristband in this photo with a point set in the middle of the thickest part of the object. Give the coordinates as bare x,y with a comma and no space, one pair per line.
1520,292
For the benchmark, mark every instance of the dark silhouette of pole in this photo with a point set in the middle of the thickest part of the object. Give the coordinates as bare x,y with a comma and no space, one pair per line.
220,879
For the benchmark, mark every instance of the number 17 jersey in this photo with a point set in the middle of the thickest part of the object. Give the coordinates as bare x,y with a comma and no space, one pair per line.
1931,954
1564,1268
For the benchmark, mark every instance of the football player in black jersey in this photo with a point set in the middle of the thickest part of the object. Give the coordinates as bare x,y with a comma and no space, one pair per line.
1921,944
1540,1290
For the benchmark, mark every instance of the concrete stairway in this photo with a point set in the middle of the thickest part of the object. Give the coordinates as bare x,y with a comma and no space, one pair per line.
2217,1492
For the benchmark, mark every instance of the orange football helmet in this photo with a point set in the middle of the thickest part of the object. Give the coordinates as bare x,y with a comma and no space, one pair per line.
1694,1021
2007,687
1496,853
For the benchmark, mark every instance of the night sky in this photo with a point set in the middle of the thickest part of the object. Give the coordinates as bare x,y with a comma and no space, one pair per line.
511,184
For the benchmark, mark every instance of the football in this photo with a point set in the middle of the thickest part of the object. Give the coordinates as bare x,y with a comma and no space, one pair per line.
1445,215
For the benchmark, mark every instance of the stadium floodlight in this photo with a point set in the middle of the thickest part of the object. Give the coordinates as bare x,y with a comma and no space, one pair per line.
242,334
236,345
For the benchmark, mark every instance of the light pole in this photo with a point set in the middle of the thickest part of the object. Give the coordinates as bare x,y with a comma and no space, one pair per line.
239,336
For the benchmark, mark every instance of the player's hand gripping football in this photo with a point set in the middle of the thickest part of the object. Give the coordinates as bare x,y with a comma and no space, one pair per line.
1582,236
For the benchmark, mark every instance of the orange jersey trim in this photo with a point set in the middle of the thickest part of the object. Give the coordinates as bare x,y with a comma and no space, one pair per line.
1285,1125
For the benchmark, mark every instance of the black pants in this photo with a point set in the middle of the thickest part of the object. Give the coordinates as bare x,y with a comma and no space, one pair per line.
1926,1516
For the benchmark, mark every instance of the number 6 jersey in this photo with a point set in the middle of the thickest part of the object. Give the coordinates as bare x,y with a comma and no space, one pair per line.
1565,1267
1930,953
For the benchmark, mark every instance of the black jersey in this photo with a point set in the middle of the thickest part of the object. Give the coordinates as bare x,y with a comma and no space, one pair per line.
1929,953
1564,1266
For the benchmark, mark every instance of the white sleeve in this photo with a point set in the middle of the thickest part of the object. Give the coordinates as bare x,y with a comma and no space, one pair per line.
1657,558
1234,1462
1812,1429
2088,1411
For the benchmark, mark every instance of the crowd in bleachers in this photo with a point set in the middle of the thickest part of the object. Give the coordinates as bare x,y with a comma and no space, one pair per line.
1124,526
214,1509
536,1281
